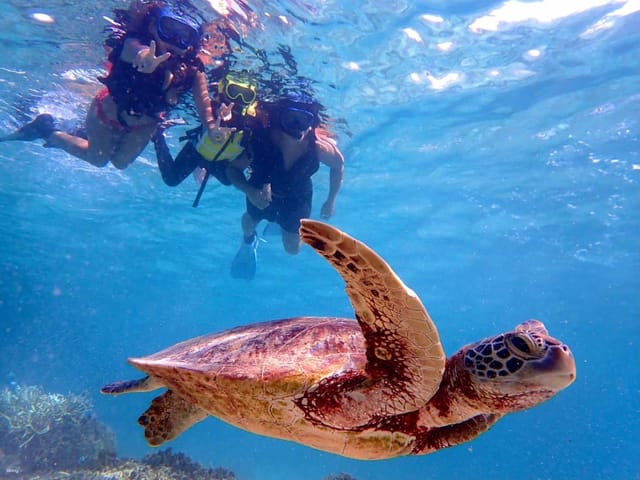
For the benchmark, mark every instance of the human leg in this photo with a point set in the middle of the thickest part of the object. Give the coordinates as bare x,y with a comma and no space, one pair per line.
219,170
43,126
131,145
291,242
174,171
99,145
114,134
163,156
40,127
105,143
111,140
290,211
249,225
76,146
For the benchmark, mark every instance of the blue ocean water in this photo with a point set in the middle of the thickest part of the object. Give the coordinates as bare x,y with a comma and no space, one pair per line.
492,158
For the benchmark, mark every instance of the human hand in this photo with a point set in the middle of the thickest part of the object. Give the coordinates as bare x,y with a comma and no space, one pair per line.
327,210
146,60
225,112
261,198
216,133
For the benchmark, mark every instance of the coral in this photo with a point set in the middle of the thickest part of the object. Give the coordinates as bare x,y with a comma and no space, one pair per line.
58,437
132,470
43,430
28,411
341,476
184,466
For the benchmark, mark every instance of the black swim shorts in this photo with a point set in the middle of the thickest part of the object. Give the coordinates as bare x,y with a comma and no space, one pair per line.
285,211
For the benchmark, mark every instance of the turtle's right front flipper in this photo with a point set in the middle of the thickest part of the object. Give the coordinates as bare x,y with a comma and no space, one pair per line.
405,359
145,384
446,436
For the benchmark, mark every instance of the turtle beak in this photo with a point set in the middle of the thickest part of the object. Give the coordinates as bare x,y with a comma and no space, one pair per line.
557,370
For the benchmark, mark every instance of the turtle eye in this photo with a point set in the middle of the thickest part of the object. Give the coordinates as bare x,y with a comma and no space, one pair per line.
523,346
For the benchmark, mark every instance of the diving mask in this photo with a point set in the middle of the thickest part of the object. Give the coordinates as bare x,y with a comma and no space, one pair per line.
177,31
235,89
242,93
296,121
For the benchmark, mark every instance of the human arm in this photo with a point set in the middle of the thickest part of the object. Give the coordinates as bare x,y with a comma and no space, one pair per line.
261,198
210,119
330,155
202,100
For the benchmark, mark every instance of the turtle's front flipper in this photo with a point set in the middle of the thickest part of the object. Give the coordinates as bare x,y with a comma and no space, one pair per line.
145,384
405,359
168,416
452,435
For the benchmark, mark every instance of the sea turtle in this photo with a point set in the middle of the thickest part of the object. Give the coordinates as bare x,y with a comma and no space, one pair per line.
374,388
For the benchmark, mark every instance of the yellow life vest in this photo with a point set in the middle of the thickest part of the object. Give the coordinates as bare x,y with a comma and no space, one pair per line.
226,150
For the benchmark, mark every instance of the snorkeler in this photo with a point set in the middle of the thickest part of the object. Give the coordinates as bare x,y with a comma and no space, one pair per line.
210,147
282,158
154,61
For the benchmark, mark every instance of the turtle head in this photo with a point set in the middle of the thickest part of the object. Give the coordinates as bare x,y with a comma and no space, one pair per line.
519,369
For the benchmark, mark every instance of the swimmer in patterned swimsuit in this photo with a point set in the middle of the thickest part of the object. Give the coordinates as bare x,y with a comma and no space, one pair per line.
154,60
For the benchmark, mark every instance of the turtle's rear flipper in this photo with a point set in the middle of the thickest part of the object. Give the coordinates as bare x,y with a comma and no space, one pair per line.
145,384
168,416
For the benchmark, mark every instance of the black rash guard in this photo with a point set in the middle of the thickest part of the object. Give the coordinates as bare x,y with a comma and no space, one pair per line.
267,166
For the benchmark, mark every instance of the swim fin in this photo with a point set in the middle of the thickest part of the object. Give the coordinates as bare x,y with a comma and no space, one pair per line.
245,262
40,127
